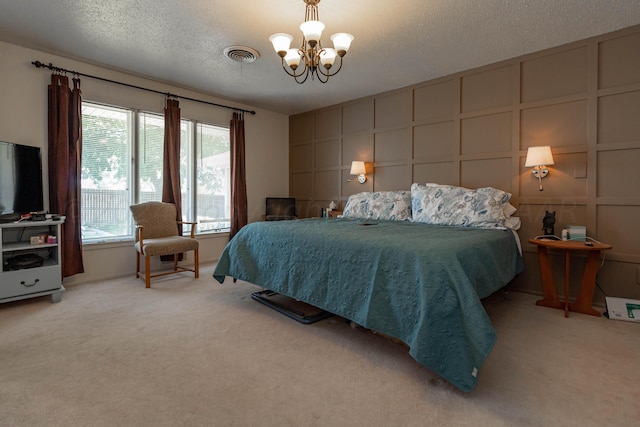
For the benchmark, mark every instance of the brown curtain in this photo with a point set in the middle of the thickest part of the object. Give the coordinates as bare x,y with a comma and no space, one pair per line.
238,175
65,153
171,162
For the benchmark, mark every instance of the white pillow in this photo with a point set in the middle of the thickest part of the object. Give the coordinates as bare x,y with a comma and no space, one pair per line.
513,222
459,206
509,210
383,205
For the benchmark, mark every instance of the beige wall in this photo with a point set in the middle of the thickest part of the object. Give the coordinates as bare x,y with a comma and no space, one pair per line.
23,120
473,129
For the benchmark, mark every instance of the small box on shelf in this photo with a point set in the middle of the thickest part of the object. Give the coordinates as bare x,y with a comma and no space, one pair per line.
38,239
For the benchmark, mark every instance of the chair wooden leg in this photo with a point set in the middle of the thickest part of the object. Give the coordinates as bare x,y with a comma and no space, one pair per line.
196,263
175,262
137,264
147,271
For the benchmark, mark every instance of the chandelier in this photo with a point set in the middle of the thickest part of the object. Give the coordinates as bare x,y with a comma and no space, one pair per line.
316,60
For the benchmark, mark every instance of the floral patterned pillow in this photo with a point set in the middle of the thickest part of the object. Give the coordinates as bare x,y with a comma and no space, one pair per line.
389,205
449,205
508,209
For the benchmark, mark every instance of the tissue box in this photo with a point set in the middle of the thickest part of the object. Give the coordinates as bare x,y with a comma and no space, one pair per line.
577,232
623,309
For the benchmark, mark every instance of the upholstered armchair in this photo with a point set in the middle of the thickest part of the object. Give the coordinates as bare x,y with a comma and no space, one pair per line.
157,234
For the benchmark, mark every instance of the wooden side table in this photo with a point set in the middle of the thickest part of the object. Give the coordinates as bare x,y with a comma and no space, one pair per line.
334,214
583,303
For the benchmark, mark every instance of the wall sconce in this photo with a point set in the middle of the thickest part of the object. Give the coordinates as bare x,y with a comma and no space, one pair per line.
358,168
539,158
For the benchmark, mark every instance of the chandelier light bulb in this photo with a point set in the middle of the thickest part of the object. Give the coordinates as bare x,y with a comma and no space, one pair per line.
328,57
341,43
292,58
312,31
281,42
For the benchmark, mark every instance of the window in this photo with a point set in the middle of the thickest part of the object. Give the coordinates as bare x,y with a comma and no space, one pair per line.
107,147
150,154
122,166
212,178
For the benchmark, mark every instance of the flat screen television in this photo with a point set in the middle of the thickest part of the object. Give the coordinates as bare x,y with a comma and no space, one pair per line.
280,208
20,179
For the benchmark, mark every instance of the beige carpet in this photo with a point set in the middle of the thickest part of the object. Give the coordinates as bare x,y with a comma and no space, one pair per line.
196,353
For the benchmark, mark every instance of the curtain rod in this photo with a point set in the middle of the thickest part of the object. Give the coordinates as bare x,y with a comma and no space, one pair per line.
50,66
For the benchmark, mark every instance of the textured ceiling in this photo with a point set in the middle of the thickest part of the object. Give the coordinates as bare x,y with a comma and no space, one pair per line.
397,43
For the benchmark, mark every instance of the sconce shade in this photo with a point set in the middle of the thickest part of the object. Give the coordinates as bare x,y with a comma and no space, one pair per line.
539,156
358,168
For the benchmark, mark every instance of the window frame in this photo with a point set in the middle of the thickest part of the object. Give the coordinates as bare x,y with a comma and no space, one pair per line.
133,176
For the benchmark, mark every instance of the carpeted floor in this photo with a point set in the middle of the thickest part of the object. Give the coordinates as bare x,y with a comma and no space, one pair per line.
196,353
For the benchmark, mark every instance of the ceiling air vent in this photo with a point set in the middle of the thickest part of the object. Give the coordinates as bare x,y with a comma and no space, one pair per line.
241,54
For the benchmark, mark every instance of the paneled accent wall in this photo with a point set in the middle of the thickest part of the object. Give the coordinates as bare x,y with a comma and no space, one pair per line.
473,129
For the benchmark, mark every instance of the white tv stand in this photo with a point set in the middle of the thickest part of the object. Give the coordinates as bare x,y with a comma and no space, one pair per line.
17,284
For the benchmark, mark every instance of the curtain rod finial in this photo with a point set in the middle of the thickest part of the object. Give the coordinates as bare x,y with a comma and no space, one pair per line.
39,64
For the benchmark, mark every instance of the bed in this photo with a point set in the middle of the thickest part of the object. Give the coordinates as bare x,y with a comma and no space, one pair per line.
388,270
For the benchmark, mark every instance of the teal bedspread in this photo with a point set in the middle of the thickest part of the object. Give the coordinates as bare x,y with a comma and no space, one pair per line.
419,283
